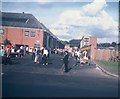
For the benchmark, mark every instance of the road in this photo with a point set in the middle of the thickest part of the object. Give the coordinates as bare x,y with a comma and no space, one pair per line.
27,79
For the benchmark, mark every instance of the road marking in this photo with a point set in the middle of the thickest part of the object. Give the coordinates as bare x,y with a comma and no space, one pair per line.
97,68
106,72
102,73
62,68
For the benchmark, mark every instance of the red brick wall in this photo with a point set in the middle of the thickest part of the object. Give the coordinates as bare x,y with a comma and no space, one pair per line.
32,40
103,54
16,36
93,41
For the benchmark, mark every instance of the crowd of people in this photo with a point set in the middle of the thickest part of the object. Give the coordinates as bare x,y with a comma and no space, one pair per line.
41,55
80,57
11,51
5,54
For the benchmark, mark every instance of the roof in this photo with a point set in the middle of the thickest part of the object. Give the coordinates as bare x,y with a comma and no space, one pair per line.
48,31
22,20
19,20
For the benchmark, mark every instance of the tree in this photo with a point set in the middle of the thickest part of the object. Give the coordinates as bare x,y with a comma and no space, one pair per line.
74,43
6,41
105,45
65,42
113,44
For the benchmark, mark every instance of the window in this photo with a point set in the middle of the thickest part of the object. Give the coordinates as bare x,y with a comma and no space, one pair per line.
36,45
86,39
32,34
1,31
26,33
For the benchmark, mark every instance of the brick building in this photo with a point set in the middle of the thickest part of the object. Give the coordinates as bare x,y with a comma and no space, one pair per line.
23,28
86,41
89,44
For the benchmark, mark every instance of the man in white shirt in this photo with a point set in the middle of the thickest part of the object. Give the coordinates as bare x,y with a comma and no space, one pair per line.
45,51
45,56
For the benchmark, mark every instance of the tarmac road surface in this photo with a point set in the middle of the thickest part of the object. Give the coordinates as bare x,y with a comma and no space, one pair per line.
27,79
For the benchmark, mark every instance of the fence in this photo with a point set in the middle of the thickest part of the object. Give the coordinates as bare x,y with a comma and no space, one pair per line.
105,54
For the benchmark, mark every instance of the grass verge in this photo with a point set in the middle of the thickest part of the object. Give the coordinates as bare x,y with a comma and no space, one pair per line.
110,64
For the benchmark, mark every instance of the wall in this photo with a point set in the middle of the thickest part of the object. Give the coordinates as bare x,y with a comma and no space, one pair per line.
104,54
93,41
16,36
12,34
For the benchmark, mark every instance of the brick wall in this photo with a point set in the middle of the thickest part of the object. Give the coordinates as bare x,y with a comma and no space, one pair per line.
104,54
16,36
93,41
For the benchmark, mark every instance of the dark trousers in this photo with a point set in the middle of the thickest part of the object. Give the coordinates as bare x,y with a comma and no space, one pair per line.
66,66
33,56
9,60
44,60
6,60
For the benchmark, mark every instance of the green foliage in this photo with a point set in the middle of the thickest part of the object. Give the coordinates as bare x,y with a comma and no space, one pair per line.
64,42
109,63
6,41
74,43
113,44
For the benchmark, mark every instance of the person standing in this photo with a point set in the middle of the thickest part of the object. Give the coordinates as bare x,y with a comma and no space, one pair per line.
65,60
45,56
2,54
89,60
49,52
42,49
33,53
85,56
8,53
76,57
21,51
37,54
27,50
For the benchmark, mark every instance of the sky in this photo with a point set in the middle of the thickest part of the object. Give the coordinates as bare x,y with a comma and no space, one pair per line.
72,19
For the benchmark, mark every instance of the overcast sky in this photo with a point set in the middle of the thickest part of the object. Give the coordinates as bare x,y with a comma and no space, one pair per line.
72,19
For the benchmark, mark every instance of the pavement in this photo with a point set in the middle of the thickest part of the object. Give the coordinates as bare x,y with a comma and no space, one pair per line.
109,71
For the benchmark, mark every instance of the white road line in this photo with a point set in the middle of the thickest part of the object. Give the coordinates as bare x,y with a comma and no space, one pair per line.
62,68
97,68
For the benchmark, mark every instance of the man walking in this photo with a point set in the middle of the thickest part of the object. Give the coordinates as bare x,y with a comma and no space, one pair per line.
65,60
37,54
45,56
77,54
